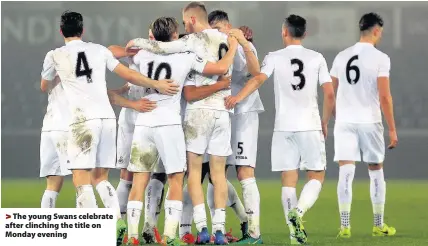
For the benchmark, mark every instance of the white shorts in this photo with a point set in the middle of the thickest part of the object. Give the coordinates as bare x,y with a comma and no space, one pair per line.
92,144
124,140
150,143
350,139
53,154
208,131
294,150
245,132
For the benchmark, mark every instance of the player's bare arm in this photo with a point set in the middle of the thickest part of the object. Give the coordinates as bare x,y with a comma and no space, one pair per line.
221,67
251,86
193,93
387,107
335,86
120,52
164,86
142,105
46,85
122,90
252,61
328,106
186,43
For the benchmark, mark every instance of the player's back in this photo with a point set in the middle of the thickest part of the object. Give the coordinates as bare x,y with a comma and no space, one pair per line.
57,117
296,79
81,67
357,69
175,67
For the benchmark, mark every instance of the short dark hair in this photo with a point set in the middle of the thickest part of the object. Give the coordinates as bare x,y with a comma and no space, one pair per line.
71,24
217,15
370,20
196,5
296,25
182,35
164,27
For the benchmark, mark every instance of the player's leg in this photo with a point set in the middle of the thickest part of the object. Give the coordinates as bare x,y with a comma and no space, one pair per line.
285,158
373,150
83,140
346,153
219,149
198,125
245,149
144,157
124,141
185,231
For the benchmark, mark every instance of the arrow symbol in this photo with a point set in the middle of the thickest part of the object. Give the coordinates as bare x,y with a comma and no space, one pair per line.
8,216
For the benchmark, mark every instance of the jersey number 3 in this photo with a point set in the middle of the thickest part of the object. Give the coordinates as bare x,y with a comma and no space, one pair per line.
162,66
354,68
298,73
86,71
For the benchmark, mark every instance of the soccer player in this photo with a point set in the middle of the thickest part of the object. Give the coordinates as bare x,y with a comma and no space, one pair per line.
245,127
361,75
298,138
53,142
92,135
207,121
159,132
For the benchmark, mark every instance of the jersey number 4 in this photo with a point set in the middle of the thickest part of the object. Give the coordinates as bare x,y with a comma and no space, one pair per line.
162,66
298,73
354,68
86,71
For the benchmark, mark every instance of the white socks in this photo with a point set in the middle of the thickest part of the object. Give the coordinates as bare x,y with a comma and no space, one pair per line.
123,189
344,193
219,220
86,197
308,196
133,213
377,195
152,199
289,202
200,216
187,216
173,210
49,199
251,195
109,196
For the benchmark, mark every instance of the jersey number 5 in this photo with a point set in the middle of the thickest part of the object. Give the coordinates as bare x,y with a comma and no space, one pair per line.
298,73
86,71
162,66
354,68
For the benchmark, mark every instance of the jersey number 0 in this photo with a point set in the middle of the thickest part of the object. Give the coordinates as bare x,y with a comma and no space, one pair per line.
86,71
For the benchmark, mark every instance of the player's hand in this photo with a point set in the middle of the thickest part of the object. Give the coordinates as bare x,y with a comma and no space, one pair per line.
325,130
143,105
167,87
132,51
239,35
248,33
393,139
230,102
233,42
224,81
124,89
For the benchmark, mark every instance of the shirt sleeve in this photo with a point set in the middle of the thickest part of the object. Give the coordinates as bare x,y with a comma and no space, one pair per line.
111,61
323,75
186,43
385,67
268,65
333,71
190,79
198,64
48,71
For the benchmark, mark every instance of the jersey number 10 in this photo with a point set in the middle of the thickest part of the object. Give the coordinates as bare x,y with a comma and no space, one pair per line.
86,71
162,66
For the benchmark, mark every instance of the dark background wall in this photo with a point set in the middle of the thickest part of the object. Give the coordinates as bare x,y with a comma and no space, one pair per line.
31,29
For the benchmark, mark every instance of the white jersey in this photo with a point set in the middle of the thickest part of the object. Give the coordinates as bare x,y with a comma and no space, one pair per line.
174,66
57,117
298,71
240,77
210,45
81,67
357,69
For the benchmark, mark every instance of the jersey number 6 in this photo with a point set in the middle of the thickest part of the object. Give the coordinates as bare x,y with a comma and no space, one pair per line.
162,66
350,68
86,71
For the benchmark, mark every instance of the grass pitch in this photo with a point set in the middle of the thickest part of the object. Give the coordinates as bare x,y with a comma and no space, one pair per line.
406,210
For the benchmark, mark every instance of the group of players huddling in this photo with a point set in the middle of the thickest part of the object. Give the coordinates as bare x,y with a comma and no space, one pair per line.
198,95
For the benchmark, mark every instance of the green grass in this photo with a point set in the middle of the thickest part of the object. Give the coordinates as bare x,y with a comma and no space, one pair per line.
406,209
